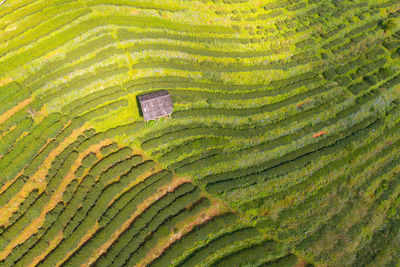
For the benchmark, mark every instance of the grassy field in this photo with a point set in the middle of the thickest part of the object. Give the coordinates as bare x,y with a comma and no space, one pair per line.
283,148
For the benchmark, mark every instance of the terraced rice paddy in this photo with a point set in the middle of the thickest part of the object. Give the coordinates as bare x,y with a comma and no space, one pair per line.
283,148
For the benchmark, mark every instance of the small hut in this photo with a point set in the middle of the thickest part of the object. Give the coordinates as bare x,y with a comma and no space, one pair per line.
155,105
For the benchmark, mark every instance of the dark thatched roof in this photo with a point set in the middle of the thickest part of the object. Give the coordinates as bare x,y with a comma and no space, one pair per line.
155,105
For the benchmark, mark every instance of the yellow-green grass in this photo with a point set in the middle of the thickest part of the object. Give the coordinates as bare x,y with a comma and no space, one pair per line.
285,121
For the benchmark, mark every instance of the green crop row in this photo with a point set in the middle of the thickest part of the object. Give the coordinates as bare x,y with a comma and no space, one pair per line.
50,72
252,255
184,165
96,213
379,240
158,23
188,133
88,142
308,213
69,191
327,224
45,28
218,243
75,200
94,205
97,199
363,148
361,226
12,190
175,82
388,195
121,168
187,96
165,228
54,129
30,145
196,51
8,90
108,148
252,111
360,29
93,99
301,156
276,5
105,109
197,235
171,82
137,4
369,68
22,9
200,144
61,172
371,80
193,130
38,130
93,45
36,20
358,63
381,168
226,156
300,186
276,171
320,195
113,172
196,139
144,189
15,98
347,111
24,206
51,8
73,124
8,140
45,46
342,160
27,9
84,80
353,42
296,6
180,165
38,242
290,260
125,249
124,34
39,158
109,160
381,74
161,136
88,160
18,257
121,208
60,158
84,107
211,66
393,42
32,212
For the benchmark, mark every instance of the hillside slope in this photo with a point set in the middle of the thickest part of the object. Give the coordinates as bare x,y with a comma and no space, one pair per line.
283,148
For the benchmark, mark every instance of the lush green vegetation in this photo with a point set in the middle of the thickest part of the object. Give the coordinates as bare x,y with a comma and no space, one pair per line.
282,150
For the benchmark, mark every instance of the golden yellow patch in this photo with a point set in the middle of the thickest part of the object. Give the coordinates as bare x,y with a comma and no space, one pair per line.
134,12
5,81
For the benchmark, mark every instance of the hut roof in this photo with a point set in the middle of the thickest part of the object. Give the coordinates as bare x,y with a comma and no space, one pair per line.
155,105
